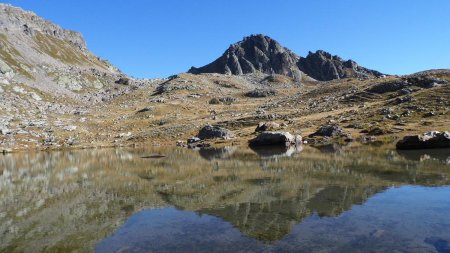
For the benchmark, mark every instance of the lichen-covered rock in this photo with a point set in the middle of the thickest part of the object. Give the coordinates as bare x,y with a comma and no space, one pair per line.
261,93
4,68
275,138
267,126
213,132
124,81
330,131
433,139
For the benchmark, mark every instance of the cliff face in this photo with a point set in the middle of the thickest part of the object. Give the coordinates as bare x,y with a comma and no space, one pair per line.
254,54
323,66
13,19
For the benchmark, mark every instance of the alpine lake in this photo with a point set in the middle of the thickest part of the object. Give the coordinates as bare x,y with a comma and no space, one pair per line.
228,199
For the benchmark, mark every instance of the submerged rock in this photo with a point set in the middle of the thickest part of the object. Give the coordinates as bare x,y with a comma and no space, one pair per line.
213,132
275,138
433,139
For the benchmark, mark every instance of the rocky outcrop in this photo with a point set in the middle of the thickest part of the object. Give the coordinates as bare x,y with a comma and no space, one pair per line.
425,82
213,132
261,93
275,138
267,126
433,139
323,66
254,54
330,131
13,18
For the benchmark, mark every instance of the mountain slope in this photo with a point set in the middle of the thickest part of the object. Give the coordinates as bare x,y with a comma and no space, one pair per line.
256,53
45,56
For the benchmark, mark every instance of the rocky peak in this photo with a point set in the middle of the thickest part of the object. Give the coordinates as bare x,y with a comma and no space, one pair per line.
254,54
14,19
323,66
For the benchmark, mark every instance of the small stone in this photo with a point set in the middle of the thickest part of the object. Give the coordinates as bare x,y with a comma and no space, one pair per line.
70,128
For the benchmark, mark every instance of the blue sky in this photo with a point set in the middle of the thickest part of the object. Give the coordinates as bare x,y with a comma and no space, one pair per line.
158,38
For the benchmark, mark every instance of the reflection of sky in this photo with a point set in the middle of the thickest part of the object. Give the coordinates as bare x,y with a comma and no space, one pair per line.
408,218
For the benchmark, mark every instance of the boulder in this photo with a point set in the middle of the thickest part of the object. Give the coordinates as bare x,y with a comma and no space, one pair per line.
433,139
213,132
222,100
193,140
330,131
260,93
123,81
267,126
275,138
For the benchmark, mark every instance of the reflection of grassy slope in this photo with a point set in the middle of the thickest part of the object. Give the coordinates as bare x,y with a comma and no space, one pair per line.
64,201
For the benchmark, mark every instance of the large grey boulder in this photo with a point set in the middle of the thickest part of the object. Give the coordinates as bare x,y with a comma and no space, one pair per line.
275,138
433,139
213,132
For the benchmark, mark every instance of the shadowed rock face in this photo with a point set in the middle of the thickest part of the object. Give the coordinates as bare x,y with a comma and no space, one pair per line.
256,53
323,66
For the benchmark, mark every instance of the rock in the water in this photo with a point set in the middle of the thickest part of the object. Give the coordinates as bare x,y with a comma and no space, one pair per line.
330,131
267,126
260,93
433,139
275,138
213,132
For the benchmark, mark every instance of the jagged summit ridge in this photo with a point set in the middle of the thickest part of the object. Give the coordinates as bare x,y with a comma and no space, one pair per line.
260,53
324,66
255,53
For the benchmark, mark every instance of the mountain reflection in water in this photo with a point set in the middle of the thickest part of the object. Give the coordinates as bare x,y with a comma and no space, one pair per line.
223,200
